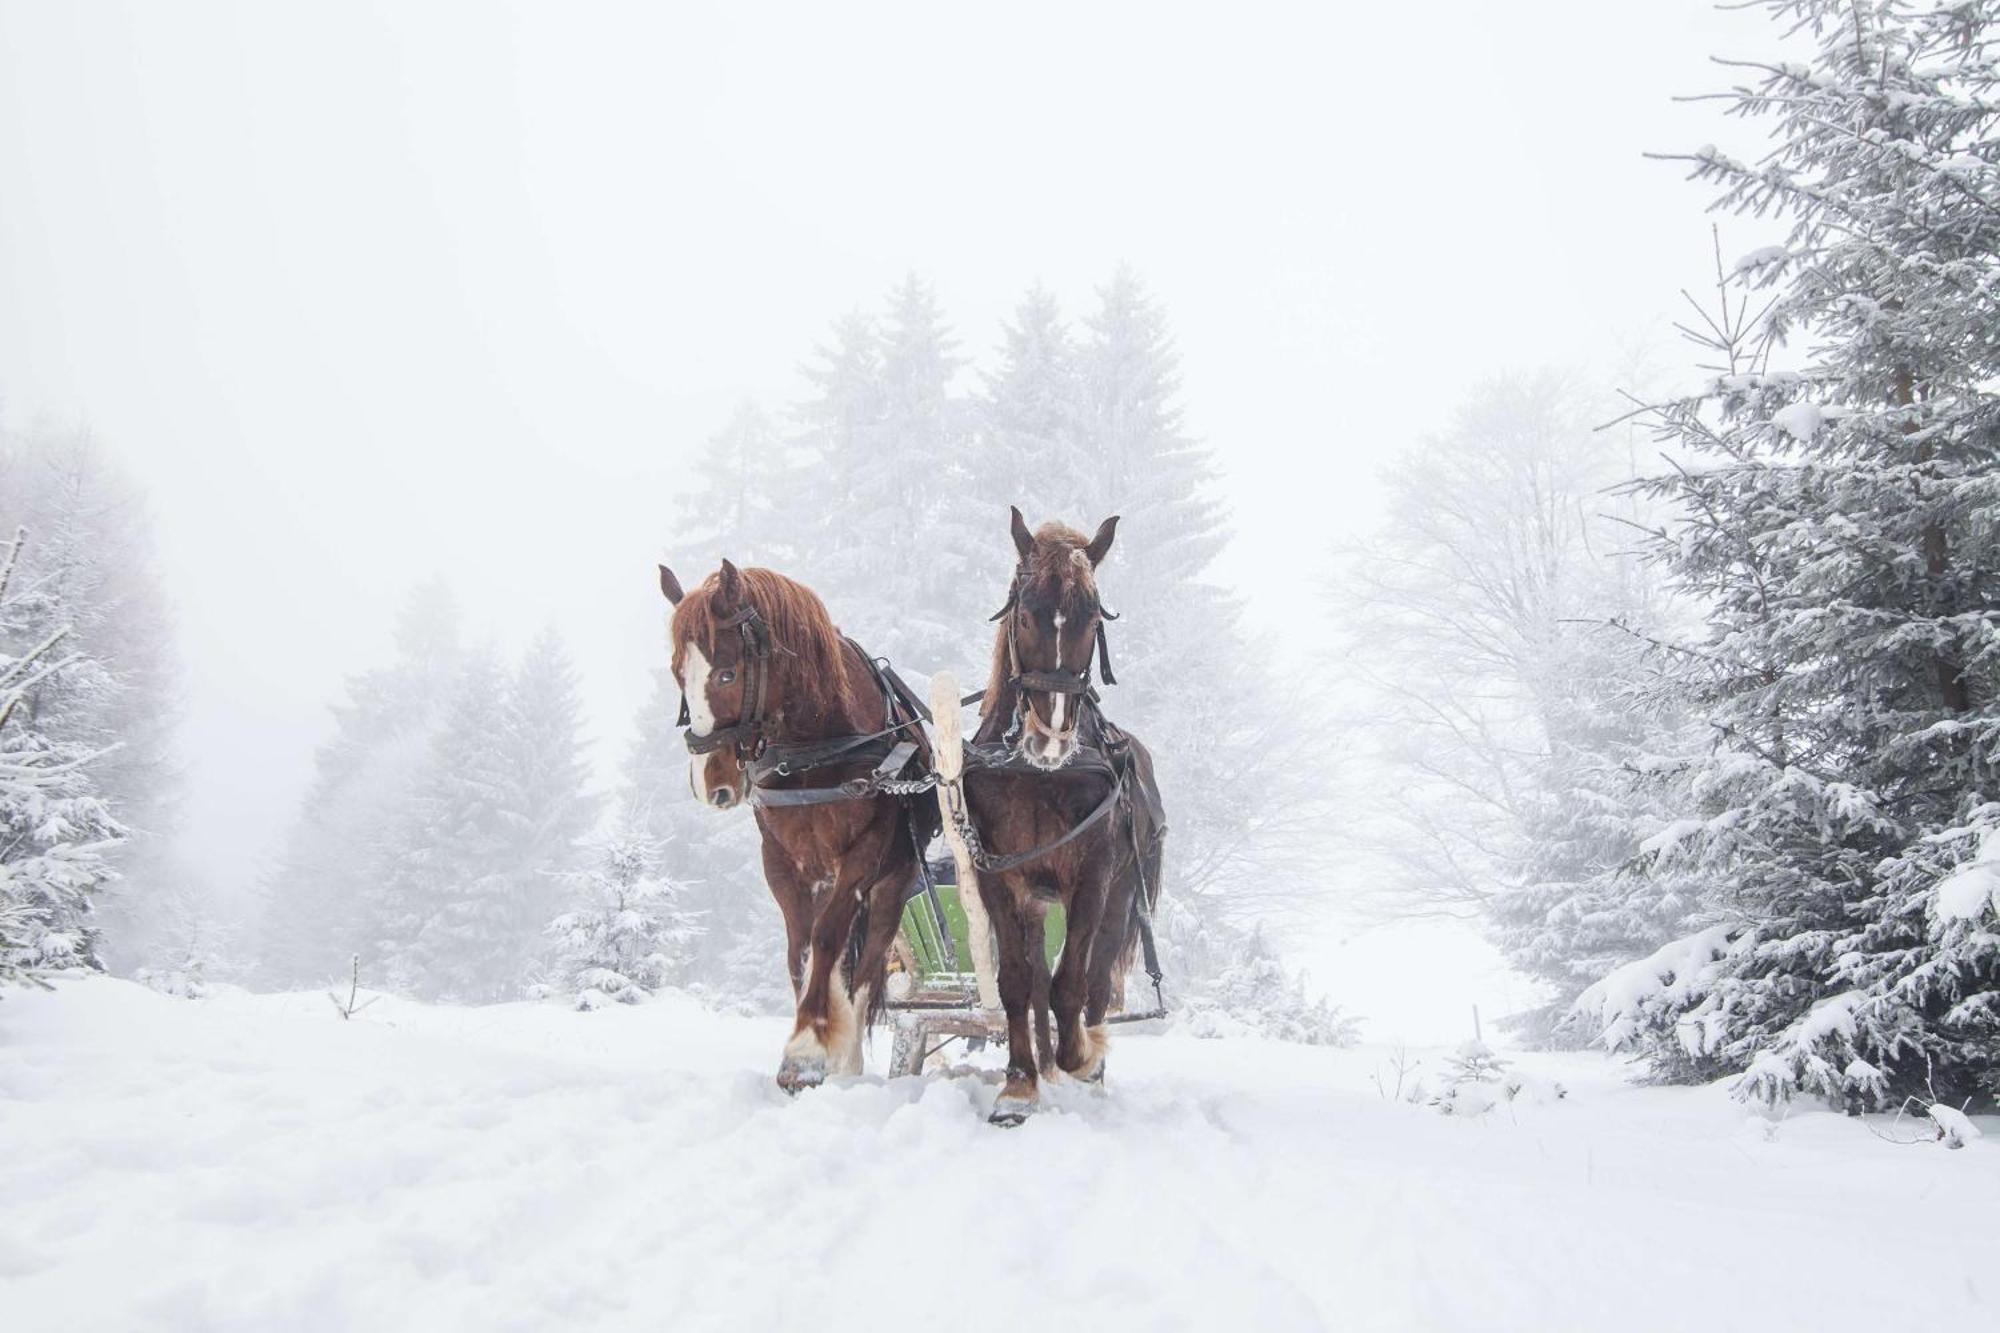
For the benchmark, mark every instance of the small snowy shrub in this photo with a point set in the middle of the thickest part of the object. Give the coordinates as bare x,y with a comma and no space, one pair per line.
1474,1062
192,950
1476,1080
181,982
629,936
1954,1128
750,978
1255,996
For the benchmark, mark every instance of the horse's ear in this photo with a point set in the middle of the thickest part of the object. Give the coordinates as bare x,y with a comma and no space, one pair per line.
670,585
1100,545
1024,541
729,587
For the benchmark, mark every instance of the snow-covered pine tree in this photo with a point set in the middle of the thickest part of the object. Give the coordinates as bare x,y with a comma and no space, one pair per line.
739,509
332,895
839,425
887,434
1584,896
93,558
1235,984
1236,753
1027,427
554,805
1840,518
740,957
628,934
458,922
755,504
1501,641
1076,429
55,829
191,947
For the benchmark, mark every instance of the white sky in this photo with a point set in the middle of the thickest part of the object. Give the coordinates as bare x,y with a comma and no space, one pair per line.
367,292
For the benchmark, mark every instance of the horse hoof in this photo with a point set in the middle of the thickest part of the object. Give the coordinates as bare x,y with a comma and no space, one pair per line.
796,1075
1011,1109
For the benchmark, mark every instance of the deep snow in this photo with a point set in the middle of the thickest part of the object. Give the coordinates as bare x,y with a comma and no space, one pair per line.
254,1162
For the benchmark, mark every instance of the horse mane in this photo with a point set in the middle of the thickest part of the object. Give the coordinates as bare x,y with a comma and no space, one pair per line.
1053,563
808,657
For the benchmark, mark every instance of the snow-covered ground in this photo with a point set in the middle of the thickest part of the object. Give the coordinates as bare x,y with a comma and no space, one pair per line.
254,1162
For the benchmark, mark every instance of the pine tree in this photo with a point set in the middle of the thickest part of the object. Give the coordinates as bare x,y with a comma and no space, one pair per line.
1239,986
458,921
740,957
629,934
839,432
1231,747
331,895
192,947
739,510
93,558
887,434
551,776
1028,418
1839,517
55,829
757,504
1504,643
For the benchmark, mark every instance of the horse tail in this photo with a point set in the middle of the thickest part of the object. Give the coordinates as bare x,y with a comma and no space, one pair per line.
877,980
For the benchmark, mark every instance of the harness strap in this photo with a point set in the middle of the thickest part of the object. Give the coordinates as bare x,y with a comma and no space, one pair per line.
1053,682
986,860
892,762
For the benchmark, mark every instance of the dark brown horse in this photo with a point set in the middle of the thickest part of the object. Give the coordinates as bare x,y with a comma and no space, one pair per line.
1053,773
787,715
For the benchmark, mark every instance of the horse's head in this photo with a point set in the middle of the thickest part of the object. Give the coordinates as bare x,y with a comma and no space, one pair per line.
748,646
1050,628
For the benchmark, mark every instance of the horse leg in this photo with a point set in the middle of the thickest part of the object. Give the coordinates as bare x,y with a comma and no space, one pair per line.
1079,1049
885,913
1018,1098
1036,927
1110,959
795,907
826,1009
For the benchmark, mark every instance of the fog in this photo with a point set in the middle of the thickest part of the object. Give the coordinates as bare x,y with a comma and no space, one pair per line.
366,294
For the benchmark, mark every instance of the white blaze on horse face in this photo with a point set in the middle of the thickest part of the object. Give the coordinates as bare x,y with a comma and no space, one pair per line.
701,717
1058,706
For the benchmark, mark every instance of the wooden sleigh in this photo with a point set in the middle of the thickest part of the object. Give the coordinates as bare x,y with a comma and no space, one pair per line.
938,1003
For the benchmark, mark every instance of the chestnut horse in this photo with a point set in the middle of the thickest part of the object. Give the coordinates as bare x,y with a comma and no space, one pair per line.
788,716
1066,808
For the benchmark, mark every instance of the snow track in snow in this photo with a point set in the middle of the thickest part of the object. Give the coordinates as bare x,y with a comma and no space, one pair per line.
253,1162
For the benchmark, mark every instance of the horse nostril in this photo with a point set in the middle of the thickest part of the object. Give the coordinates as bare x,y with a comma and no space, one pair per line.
722,798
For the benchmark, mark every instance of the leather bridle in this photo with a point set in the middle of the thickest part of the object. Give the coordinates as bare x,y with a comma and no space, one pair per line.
1057,681
746,736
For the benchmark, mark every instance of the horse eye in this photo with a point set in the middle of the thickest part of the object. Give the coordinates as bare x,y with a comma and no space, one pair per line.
724,677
